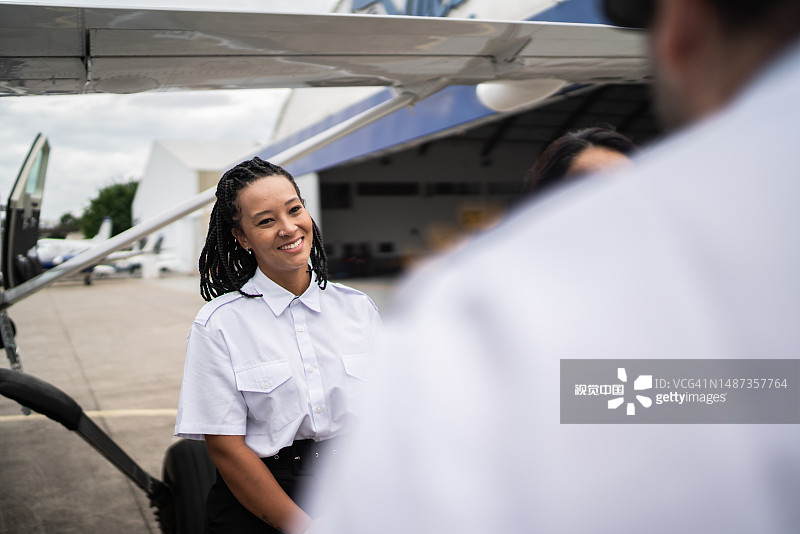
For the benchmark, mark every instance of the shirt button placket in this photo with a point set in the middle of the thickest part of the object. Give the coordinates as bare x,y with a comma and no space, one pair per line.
316,391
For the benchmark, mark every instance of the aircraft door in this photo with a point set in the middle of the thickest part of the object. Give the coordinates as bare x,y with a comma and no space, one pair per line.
21,225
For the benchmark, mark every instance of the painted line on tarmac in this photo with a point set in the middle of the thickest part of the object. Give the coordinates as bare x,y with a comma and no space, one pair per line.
144,412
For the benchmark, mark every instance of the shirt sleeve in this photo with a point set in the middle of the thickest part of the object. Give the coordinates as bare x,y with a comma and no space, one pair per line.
209,401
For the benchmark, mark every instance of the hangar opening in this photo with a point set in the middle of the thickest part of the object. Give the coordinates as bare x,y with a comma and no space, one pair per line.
382,213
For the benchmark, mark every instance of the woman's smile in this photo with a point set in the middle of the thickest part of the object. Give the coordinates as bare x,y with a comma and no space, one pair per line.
294,246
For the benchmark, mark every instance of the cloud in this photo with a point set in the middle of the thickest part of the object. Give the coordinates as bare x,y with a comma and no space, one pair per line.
97,139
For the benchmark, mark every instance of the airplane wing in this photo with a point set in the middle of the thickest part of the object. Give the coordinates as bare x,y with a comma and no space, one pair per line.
57,49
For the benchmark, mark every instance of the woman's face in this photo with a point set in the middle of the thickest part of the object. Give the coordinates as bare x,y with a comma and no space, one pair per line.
594,159
275,224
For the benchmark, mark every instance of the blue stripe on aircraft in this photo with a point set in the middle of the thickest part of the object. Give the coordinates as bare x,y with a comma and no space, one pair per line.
452,106
327,122
446,109
582,11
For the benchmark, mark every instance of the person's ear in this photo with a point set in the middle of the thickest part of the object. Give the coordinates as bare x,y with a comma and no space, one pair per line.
682,33
240,237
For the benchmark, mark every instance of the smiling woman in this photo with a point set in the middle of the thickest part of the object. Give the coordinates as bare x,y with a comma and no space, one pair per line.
248,207
275,227
275,361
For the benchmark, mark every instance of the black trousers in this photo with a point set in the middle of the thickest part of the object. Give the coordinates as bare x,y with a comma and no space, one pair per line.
294,467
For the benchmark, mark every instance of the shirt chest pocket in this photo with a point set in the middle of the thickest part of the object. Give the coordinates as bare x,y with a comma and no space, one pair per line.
270,393
356,367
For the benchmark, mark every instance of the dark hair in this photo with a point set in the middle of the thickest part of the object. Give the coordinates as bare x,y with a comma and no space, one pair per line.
734,14
552,165
741,14
225,265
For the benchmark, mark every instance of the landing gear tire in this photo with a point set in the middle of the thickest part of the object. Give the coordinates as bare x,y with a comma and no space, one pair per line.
189,473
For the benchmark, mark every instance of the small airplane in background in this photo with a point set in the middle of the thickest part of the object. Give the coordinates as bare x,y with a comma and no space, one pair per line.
53,251
25,257
56,48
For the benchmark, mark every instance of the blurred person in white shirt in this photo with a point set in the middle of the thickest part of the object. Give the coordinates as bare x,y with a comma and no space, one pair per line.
691,253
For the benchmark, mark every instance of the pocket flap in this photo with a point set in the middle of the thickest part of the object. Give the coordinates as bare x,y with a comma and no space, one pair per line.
264,377
357,365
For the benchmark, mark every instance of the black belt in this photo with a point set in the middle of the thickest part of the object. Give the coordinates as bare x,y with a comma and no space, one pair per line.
304,456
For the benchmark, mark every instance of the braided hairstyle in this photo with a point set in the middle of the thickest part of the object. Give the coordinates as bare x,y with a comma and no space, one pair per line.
225,265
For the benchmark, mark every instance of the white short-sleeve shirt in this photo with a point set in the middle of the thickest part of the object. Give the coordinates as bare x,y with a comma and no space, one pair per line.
278,367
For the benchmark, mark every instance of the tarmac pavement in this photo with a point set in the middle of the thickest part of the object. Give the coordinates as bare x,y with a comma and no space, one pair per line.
117,347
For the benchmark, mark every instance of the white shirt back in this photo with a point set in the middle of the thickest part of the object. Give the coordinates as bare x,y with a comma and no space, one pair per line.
693,254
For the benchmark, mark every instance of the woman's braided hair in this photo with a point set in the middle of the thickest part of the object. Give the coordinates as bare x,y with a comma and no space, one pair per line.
225,265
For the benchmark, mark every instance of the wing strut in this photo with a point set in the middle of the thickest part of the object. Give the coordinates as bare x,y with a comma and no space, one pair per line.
404,97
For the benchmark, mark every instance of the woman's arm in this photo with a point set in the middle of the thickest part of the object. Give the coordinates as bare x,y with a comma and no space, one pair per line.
252,483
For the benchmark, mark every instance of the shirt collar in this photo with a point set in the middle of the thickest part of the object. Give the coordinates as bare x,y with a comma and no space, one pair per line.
278,298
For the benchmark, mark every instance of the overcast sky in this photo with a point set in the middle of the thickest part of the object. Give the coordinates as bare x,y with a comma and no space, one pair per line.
97,139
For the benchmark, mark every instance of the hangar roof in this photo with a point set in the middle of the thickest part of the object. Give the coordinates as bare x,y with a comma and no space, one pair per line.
625,107
209,154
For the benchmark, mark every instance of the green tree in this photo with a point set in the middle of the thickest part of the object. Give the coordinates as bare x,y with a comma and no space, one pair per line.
113,201
68,220
66,224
